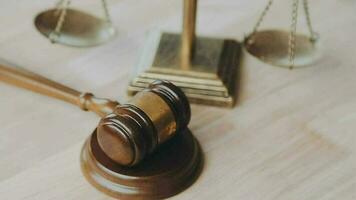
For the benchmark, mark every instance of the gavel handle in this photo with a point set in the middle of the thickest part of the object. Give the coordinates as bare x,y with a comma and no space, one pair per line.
34,82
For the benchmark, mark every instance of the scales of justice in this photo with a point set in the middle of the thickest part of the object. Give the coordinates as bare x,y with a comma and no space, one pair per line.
205,68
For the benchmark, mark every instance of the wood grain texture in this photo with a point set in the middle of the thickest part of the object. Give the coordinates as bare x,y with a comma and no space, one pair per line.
291,135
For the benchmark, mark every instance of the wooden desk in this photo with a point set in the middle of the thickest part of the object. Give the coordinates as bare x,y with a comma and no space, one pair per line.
291,137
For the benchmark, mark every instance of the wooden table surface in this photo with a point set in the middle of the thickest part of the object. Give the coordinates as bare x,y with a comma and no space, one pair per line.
291,136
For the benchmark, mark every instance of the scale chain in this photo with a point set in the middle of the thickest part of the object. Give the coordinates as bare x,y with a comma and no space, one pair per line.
313,34
292,40
262,16
59,3
62,7
106,12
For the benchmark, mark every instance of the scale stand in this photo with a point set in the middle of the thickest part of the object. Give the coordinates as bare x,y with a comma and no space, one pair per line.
204,68
283,48
73,27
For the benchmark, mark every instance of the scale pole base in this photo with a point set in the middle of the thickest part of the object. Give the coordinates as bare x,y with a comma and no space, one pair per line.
211,77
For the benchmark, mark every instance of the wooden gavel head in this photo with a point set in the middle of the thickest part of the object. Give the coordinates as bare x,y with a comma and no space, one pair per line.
137,128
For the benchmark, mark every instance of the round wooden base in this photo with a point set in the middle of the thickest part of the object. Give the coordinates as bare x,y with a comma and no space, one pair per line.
168,171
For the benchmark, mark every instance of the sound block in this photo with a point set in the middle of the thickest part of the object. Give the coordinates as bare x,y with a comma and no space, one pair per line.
210,79
168,171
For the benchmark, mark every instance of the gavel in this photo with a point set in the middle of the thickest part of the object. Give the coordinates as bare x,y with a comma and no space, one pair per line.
126,133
